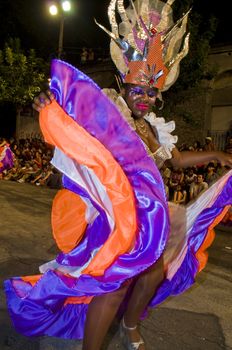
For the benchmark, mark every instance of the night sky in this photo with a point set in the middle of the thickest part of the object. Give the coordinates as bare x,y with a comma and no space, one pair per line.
30,20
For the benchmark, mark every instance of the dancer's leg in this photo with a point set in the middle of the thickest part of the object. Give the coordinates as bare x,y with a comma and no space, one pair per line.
100,315
144,289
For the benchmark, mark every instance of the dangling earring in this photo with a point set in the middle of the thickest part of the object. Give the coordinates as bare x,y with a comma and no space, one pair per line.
118,81
159,105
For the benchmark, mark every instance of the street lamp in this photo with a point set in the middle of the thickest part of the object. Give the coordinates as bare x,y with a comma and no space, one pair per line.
60,8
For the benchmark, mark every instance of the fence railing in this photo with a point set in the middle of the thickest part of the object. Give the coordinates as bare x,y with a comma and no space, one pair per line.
219,138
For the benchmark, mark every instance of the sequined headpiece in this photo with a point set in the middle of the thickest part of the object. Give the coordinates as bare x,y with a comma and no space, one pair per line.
146,45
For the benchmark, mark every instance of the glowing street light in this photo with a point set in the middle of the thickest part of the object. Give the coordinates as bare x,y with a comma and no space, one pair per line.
60,8
66,6
53,9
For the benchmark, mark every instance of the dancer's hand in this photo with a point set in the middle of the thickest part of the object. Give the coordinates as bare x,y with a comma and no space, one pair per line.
43,100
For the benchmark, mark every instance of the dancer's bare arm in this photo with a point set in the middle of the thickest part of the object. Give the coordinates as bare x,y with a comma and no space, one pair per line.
186,159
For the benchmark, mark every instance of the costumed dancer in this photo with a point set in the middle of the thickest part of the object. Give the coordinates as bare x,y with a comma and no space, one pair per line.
6,157
121,244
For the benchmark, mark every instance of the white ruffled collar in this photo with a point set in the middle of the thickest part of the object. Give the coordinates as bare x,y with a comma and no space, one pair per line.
164,130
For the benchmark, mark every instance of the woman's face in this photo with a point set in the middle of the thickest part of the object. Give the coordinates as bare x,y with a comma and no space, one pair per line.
140,99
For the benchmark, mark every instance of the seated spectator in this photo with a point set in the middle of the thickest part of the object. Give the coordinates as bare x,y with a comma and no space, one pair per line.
38,158
190,176
211,175
197,146
41,179
220,170
33,172
176,179
209,146
197,187
180,195
25,173
12,174
165,171
26,153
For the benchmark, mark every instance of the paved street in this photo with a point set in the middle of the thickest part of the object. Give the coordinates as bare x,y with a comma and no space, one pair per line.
199,319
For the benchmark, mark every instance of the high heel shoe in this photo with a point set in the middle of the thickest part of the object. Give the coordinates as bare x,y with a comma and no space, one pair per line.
125,338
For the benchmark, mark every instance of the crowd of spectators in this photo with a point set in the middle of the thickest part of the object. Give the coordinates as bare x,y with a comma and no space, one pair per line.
32,164
32,158
184,185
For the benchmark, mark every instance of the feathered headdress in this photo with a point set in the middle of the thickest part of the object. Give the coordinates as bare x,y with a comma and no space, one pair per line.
146,46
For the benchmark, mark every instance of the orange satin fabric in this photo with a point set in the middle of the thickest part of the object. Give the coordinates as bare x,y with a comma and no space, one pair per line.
78,300
68,220
63,132
202,255
31,279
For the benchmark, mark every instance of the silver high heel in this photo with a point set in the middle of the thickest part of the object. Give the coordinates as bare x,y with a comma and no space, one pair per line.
125,338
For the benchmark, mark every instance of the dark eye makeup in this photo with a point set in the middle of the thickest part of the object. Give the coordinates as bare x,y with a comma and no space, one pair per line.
139,91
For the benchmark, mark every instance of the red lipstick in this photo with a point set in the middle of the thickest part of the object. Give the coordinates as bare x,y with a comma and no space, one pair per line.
142,107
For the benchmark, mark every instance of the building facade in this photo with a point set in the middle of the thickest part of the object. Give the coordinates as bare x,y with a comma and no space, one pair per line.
219,116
